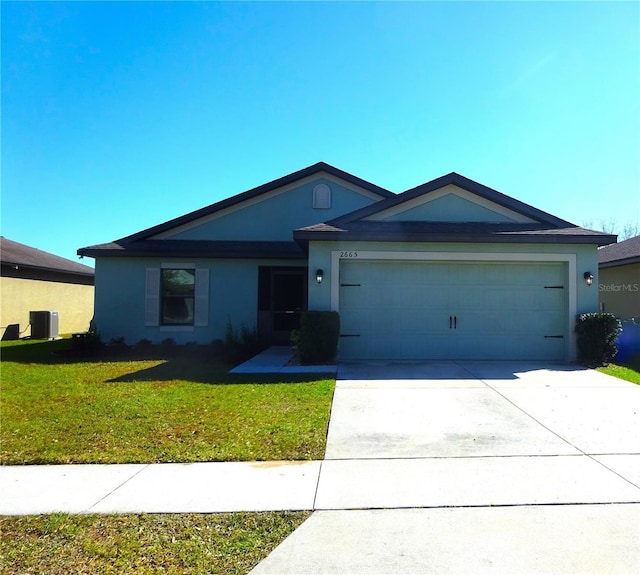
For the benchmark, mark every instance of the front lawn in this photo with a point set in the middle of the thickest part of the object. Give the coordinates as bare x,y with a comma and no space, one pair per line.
59,409
629,371
141,544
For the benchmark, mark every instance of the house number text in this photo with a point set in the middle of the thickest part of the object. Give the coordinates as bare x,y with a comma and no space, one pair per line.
348,254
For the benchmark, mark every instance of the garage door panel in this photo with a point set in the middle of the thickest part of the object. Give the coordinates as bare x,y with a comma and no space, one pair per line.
435,297
508,297
448,310
551,298
548,323
352,348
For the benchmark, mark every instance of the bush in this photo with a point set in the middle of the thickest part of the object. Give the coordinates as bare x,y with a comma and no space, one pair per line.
144,346
238,348
316,341
118,343
597,334
168,345
86,343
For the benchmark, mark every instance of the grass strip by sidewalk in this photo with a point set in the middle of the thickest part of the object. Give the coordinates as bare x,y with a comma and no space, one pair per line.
629,371
57,409
141,544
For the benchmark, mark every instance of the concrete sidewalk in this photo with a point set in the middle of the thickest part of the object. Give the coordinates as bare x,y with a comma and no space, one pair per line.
315,485
159,488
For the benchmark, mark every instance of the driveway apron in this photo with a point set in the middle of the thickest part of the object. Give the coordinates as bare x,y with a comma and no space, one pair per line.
474,467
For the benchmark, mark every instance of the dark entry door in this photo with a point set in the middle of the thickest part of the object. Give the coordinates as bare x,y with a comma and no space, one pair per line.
282,295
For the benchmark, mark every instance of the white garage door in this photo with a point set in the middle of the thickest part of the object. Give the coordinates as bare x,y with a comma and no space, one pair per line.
453,310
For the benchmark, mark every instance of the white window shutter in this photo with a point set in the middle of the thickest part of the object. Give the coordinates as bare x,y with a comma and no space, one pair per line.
152,298
202,298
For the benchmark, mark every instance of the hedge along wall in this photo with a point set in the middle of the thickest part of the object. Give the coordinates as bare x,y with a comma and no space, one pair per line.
317,339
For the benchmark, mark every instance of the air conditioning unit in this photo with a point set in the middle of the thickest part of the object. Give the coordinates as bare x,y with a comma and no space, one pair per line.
44,324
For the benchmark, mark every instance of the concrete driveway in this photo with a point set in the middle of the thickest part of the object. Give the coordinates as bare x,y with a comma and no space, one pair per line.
474,467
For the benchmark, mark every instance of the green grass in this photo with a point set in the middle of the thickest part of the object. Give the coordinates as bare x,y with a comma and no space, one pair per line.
141,544
56,409
630,371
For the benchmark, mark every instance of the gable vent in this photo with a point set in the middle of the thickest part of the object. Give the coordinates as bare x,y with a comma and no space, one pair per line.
322,197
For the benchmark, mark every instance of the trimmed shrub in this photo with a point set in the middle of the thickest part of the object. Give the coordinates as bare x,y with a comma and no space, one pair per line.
597,334
316,341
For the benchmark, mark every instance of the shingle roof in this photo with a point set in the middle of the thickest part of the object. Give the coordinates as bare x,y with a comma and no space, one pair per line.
546,229
197,249
622,253
450,232
19,255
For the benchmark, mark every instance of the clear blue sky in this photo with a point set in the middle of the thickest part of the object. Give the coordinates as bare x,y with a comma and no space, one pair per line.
119,116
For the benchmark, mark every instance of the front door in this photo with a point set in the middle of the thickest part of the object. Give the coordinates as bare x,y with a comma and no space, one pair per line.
282,297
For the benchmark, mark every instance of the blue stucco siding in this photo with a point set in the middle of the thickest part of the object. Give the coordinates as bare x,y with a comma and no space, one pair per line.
277,214
120,299
449,208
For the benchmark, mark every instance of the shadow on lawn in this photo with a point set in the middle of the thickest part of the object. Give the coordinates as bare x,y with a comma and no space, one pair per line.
62,351
193,364
210,372
38,351
50,352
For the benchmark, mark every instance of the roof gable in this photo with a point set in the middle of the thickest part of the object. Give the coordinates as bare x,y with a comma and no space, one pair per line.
449,204
274,214
453,198
183,227
451,209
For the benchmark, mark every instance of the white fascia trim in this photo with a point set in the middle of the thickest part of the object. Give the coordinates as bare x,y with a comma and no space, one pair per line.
569,259
263,197
445,191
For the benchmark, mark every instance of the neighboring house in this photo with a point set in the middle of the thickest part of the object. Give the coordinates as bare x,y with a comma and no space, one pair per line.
450,269
619,285
33,280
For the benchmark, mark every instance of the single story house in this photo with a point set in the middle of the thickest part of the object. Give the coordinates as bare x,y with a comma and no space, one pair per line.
619,282
34,280
449,269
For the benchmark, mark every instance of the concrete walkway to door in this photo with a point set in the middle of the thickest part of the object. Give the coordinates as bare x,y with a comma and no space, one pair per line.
474,467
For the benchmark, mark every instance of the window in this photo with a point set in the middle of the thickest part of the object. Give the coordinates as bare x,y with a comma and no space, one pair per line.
178,296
